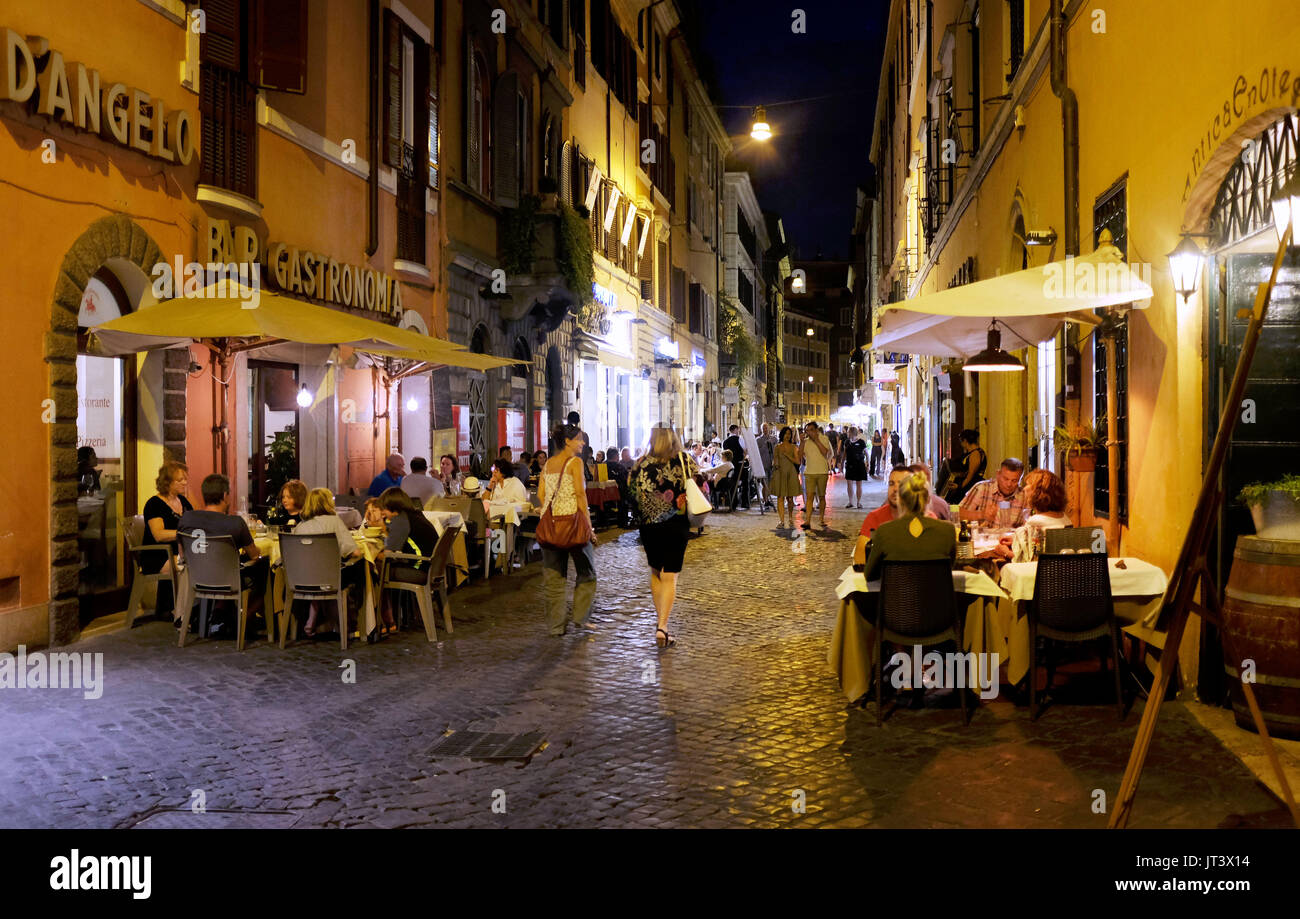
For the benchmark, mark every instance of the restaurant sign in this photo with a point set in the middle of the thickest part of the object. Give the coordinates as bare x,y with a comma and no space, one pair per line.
306,273
71,92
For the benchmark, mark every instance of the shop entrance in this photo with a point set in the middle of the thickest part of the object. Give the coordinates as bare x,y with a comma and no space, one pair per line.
272,431
1266,440
106,437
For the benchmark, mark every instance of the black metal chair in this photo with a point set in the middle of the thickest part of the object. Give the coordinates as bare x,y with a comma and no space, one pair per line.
917,606
1076,540
1072,603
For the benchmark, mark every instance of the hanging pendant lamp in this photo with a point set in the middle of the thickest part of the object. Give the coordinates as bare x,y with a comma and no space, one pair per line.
993,359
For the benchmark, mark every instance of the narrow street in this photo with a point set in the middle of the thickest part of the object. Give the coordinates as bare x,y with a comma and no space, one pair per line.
725,730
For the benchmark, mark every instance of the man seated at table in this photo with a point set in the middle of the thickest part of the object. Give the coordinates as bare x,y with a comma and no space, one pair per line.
420,485
391,477
215,521
998,501
891,509
939,508
504,486
522,468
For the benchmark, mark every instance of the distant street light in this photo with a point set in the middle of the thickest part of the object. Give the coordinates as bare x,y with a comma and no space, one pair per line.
810,333
760,130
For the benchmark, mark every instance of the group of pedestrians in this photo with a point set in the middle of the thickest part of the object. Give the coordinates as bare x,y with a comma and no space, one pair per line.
657,484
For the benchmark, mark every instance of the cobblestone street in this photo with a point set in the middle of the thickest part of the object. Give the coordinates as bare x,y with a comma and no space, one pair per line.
726,730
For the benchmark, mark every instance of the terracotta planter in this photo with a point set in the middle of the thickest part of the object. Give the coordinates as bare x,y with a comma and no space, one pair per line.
1277,516
1082,462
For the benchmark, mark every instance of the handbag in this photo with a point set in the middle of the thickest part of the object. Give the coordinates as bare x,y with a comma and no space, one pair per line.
563,532
696,503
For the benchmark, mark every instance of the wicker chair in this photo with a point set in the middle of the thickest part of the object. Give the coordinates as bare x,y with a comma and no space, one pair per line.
1072,603
1076,539
918,606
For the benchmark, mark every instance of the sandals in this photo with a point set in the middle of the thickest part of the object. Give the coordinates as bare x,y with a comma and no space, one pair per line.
667,641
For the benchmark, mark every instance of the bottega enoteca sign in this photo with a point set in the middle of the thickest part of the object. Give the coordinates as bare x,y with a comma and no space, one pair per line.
71,92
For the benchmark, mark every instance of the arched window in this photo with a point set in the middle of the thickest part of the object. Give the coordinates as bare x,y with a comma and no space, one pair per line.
481,343
548,141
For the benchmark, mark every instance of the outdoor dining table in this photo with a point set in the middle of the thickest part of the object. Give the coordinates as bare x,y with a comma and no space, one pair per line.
510,515
599,493
1137,589
852,640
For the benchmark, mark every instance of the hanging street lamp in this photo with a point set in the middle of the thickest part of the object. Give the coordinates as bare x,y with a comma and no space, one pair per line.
760,130
993,359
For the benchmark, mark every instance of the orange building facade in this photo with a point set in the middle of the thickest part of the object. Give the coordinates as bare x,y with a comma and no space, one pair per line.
135,135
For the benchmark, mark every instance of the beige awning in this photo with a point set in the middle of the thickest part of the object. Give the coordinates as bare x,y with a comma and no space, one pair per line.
257,318
1030,306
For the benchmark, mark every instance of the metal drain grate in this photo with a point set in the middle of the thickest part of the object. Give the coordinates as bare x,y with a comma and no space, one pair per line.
482,745
216,820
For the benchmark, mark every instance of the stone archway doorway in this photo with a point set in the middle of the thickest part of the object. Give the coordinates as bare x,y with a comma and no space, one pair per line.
129,252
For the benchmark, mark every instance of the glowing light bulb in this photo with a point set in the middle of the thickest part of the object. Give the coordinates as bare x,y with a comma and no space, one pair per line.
304,397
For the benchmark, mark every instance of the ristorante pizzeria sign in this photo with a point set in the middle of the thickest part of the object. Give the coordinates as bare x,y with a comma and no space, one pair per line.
73,93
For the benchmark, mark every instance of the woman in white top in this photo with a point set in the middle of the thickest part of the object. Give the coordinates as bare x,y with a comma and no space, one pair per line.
319,517
1046,500
505,485
562,476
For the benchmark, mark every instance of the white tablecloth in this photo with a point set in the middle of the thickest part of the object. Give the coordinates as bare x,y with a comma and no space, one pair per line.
963,582
443,519
1136,579
511,512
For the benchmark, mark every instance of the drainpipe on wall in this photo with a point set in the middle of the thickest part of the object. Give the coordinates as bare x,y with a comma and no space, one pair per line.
372,129
1070,127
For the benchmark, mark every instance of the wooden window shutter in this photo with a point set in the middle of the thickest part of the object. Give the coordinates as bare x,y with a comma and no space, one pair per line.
473,152
696,308
221,43
505,133
432,107
392,90
278,45
420,104
565,180
243,158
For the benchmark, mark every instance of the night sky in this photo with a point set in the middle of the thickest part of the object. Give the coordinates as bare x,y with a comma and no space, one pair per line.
818,155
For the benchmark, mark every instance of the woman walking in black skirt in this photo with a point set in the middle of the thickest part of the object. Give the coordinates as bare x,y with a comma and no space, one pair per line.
658,488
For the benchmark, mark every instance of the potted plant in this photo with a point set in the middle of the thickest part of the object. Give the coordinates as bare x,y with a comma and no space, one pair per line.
1275,506
1080,441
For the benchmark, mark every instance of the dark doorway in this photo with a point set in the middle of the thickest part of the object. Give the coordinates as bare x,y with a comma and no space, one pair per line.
272,431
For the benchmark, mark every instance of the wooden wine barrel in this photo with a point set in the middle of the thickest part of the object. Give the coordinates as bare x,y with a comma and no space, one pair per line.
1261,622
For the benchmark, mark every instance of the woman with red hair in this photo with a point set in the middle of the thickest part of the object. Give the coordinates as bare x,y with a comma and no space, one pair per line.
1046,500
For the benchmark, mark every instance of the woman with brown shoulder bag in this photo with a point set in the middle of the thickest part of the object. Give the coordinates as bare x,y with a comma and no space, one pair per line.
564,531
